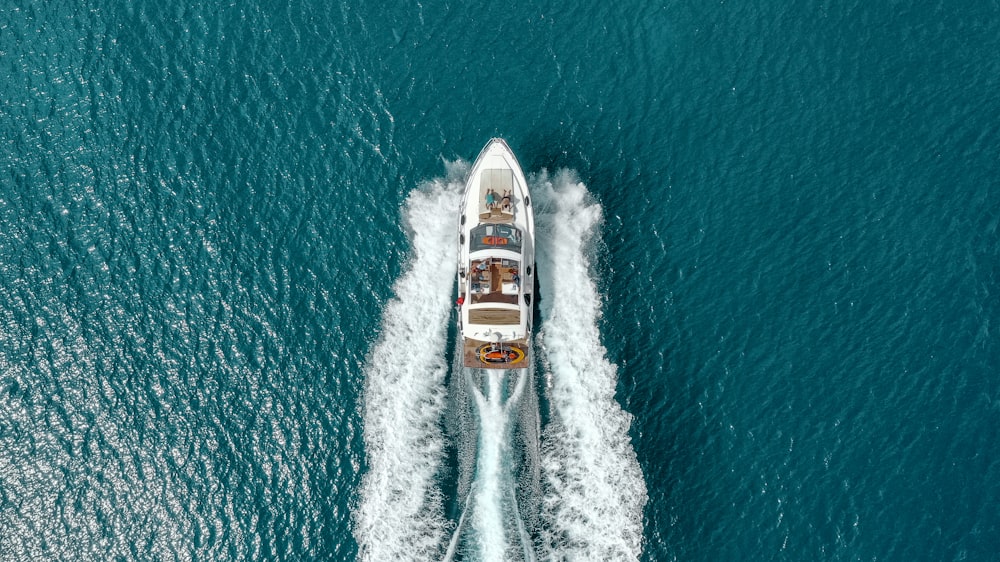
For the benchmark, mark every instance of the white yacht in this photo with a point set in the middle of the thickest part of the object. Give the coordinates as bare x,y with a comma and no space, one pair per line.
496,267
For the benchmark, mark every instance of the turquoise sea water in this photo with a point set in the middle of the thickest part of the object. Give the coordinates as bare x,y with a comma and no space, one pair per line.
772,239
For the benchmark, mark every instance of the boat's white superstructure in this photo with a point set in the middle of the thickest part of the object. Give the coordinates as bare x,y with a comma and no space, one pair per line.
496,265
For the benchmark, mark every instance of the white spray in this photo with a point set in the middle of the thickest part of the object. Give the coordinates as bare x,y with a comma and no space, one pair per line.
594,489
400,515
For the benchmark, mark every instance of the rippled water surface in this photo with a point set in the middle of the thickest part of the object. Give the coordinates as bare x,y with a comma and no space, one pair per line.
768,288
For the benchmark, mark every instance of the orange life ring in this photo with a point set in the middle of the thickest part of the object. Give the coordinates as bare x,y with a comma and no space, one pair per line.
507,356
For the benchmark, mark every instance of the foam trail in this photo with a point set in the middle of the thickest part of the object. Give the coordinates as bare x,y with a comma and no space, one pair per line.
527,545
498,532
489,516
594,491
457,534
400,515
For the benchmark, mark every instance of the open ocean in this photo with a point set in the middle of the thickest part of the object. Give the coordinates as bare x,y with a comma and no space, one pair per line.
769,279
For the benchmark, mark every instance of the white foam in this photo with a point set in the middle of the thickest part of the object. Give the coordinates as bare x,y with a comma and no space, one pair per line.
498,529
594,491
400,515
489,516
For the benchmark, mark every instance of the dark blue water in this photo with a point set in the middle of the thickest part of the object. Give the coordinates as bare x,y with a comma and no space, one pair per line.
216,221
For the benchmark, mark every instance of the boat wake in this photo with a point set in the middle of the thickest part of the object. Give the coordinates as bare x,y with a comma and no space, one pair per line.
594,491
492,525
575,492
400,515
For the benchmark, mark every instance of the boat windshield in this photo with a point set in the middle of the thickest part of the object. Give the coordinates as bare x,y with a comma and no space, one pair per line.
501,236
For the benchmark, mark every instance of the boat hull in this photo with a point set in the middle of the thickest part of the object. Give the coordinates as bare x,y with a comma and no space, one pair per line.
496,262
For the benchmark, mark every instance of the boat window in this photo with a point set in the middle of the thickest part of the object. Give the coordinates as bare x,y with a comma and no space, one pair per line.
500,236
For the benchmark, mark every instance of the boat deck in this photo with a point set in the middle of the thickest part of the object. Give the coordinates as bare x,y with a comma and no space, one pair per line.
483,355
498,218
497,283
495,316
496,204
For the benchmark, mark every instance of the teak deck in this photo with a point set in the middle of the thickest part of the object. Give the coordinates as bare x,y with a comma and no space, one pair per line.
495,316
